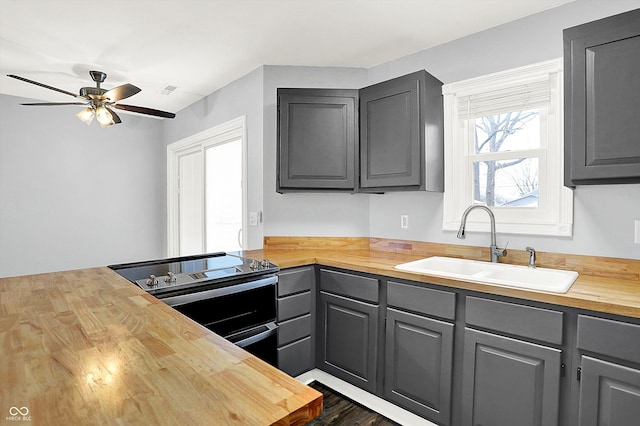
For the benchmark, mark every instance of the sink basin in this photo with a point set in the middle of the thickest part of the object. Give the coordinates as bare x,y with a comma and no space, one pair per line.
501,274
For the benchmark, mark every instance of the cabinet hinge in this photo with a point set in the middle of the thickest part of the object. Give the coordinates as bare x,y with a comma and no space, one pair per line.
579,375
563,369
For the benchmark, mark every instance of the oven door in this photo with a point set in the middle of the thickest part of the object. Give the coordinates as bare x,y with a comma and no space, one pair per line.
243,313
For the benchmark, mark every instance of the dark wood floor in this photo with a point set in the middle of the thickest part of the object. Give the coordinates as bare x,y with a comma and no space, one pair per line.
339,410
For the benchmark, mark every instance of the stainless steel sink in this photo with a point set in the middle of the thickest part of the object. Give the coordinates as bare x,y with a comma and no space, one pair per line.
500,274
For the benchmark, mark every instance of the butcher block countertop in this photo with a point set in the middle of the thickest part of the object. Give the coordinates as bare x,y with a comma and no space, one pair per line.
607,285
88,347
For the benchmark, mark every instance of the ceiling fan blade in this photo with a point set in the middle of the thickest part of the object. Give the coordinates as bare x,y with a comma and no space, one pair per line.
116,118
17,77
121,92
53,103
143,110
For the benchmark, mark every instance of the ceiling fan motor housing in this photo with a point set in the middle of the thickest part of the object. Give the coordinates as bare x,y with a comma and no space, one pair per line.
91,91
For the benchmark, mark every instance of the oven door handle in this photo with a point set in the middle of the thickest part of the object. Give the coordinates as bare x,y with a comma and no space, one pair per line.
272,328
219,292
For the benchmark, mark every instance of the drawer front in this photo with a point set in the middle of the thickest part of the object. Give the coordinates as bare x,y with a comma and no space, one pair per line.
520,320
294,329
295,358
350,285
422,300
296,280
607,337
294,306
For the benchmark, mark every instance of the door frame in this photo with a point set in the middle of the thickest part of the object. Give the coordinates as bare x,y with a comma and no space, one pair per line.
230,130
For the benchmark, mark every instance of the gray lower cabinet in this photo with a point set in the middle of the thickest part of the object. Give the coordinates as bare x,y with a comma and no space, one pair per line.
509,382
601,101
418,364
609,372
295,295
349,342
401,138
317,139
609,394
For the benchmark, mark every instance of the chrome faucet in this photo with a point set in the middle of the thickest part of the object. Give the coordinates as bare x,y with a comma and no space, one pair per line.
532,257
495,251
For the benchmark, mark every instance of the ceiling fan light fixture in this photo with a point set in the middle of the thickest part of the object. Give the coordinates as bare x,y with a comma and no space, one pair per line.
104,117
86,115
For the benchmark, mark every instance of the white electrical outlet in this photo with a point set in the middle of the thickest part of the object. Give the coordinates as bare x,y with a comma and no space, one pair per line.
404,221
637,237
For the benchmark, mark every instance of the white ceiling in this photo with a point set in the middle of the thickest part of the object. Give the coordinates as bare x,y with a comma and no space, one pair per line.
202,45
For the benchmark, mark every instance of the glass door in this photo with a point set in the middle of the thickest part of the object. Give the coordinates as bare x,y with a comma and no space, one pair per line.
223,196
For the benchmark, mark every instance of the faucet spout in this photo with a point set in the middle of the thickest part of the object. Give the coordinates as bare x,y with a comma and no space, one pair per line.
495,251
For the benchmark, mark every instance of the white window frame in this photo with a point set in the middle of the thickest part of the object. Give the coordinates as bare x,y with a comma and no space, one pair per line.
554,214
225,132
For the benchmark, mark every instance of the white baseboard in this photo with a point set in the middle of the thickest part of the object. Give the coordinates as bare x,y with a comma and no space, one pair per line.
379,405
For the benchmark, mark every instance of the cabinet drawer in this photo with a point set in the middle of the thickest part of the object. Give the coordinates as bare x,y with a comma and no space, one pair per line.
294,329
295,358
294,306
422,300
607,337
526,321
295,281
350,285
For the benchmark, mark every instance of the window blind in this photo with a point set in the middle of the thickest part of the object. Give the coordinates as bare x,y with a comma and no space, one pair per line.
515,98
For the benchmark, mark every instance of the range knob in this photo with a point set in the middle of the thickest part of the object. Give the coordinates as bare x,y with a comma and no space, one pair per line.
170,278
254,265
265,263
152,281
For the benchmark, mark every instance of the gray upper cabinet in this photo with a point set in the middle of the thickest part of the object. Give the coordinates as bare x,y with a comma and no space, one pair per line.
401,134
602,66
320,147
317,139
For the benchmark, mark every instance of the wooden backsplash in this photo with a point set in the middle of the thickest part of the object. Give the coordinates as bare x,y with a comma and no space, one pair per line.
606,267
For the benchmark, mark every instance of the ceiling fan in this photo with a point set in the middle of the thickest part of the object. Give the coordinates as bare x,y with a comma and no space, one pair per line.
99,102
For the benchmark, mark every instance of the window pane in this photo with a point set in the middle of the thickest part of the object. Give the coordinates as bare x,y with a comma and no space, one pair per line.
507,132
506,183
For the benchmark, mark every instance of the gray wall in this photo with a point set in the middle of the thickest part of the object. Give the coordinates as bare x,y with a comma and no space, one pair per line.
76,196
603,215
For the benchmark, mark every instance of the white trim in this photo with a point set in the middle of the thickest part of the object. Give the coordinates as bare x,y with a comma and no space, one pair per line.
554,215
231,130
377,404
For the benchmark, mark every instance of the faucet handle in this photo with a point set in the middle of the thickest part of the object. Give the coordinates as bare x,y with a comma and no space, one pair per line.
500,252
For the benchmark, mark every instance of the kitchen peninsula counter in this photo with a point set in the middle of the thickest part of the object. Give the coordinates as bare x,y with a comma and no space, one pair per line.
607,285
89,347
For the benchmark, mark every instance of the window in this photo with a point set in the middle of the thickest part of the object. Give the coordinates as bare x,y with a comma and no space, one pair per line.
503,149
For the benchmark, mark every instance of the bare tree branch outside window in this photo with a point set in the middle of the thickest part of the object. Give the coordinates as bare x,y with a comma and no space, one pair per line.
491,132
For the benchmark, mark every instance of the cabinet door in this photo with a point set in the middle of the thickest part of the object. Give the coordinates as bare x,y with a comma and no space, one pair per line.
418,364
602,103
350,340
509,382
609,394
317,139
401,134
